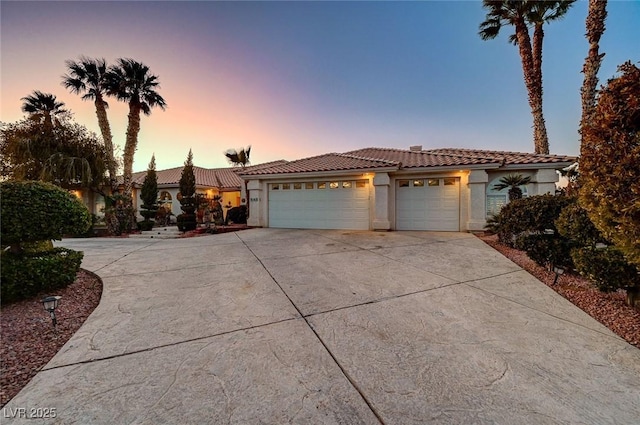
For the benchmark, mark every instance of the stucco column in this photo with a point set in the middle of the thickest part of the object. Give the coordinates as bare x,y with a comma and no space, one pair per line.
545,181
382,188
478,180
256,217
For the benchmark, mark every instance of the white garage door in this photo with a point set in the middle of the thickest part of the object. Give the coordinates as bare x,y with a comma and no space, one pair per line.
336,204
428,204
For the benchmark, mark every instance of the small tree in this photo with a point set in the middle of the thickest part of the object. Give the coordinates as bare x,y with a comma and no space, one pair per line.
149,196
187,220
513,182
609,170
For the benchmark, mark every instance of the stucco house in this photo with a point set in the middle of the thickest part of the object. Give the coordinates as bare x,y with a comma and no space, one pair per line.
210,182
393,189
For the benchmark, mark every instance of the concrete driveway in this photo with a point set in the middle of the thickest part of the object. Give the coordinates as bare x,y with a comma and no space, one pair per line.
270,326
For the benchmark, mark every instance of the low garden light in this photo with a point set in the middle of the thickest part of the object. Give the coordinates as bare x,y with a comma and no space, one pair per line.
50,304
558,271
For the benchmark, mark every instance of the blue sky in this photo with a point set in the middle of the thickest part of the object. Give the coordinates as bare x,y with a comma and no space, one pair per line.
295,79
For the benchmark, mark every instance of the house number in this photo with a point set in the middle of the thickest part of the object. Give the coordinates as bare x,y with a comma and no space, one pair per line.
255,199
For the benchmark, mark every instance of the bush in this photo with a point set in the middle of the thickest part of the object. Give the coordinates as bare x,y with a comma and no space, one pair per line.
546,249
574,224
34,211
534,214
145,225
606,268
26,274
187,222
609,158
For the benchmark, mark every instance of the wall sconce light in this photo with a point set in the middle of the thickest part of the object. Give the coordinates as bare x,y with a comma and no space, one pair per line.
50,304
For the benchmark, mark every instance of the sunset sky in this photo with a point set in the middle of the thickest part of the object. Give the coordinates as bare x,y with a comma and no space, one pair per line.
296,79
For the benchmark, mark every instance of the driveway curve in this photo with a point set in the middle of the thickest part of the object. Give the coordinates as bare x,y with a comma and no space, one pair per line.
269,326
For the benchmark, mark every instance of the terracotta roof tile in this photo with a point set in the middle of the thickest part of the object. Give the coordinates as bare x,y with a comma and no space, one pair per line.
326,162
403,159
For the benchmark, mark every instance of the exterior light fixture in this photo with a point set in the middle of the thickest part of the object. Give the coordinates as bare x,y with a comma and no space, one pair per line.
50,304
549,231
601,245
558,271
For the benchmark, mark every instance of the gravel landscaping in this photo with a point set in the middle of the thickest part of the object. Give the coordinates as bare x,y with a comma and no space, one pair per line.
29,340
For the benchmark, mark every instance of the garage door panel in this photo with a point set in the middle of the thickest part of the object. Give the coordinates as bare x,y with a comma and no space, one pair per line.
433,206
329,208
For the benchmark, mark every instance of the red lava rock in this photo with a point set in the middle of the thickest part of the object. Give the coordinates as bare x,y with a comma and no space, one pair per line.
610,309
29,340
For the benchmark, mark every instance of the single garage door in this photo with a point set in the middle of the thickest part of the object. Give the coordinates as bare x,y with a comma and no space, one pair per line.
336,204
428,204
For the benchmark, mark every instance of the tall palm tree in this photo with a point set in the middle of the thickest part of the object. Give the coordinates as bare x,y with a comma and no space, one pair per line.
513,182
131,81
86,77
43,107
521,15
595,28
239,157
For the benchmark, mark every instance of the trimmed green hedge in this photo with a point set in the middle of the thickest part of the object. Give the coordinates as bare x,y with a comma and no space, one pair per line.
26,274
35,211
606,268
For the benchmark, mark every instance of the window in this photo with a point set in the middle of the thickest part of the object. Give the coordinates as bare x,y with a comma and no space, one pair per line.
347,185
433,182
451,181
418,183
286,186
333,185
361,184
403,183
297,186
308,185
275,187
322,185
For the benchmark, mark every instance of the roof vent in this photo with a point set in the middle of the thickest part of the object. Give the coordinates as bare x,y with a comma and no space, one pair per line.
416,148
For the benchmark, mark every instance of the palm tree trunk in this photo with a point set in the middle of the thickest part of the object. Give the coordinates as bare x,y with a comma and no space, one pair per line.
595,29
105,129
133,128
111,220
540,139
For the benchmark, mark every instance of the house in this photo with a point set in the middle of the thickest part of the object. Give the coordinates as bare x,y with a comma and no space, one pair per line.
393,189
224,182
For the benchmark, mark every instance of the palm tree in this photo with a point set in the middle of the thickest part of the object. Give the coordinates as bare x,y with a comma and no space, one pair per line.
520,15
43,107
239,157
595,28
513,182
130,81
87,78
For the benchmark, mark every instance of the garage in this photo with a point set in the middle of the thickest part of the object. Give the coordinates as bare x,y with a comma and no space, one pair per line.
428,204
336,204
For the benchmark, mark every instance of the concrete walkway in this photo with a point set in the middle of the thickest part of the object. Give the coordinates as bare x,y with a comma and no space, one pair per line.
270,326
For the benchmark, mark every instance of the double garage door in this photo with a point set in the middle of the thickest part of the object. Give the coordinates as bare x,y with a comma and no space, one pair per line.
428,204
421,204
337,204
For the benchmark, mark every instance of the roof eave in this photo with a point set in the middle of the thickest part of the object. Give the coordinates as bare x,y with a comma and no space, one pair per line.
539,165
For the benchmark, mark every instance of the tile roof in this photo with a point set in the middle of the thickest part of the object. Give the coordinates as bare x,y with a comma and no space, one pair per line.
403,159
222,178
326,162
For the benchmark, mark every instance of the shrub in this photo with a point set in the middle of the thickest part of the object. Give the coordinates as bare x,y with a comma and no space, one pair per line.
609,158
35,211
149,194
26,274
534,214
574,224
606,268
546,249
145,225
187,222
